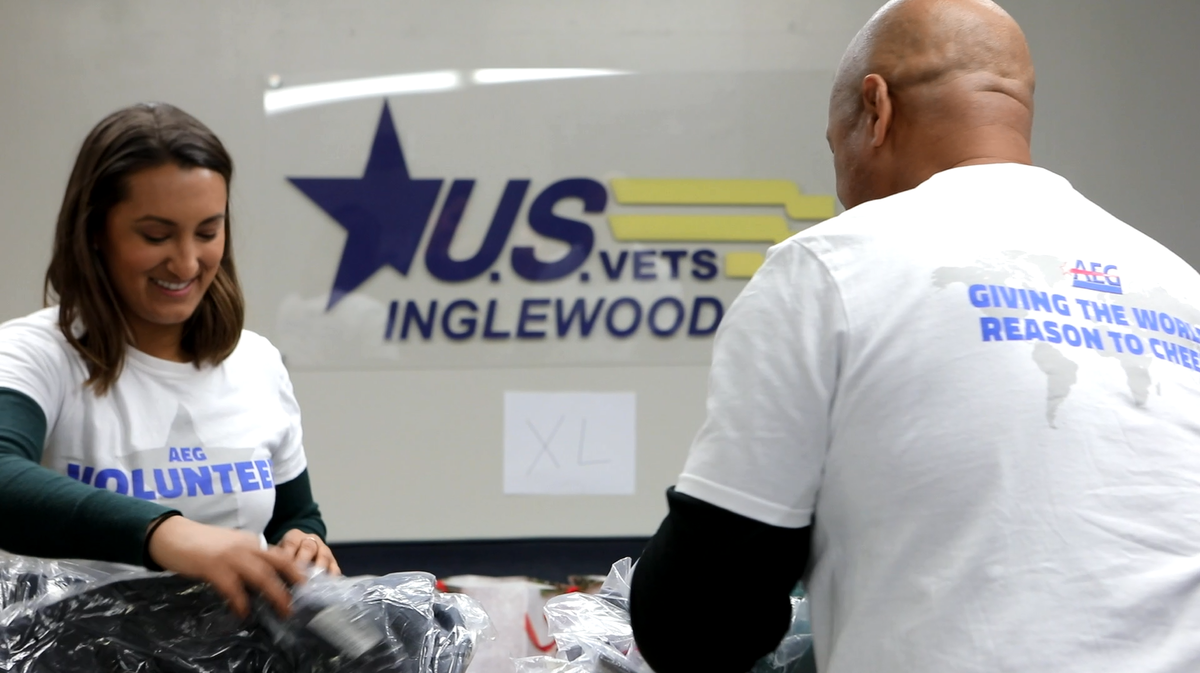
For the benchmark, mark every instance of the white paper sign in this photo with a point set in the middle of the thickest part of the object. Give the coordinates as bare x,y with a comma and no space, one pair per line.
570,443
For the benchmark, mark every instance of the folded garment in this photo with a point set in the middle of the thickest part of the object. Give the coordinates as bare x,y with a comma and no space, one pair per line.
152,623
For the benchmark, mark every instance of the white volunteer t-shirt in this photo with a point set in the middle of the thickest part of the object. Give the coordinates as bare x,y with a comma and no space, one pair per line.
210,442
984,395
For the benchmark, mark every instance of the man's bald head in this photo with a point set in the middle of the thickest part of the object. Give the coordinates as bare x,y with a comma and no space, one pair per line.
925,86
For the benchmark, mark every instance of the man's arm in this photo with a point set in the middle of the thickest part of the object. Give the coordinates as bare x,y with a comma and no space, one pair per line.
710,592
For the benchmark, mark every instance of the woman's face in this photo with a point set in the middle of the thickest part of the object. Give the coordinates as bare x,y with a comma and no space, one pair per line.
163,245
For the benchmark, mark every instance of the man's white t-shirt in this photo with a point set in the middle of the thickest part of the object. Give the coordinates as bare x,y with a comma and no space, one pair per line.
210,442
984,396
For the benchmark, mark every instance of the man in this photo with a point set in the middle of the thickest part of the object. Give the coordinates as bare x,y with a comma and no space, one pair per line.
974,396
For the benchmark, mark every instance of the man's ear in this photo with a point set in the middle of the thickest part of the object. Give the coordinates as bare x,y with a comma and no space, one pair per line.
877,102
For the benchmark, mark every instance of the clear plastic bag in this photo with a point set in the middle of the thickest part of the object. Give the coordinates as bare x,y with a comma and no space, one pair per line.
547,665
24,580
593,633
794,654
395,622
97,618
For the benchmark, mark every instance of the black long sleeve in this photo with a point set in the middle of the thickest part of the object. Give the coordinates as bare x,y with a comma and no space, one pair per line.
711,590
48,514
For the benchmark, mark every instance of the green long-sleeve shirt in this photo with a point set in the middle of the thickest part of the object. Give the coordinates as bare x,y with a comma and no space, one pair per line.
48,514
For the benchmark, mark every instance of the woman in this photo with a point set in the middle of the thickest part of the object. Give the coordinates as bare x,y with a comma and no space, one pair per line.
139,423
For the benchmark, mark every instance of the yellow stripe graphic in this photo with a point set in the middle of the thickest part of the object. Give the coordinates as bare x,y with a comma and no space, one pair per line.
742,264
673,192
708,228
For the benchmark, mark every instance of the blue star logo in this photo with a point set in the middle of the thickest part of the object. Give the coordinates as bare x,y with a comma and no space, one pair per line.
384,212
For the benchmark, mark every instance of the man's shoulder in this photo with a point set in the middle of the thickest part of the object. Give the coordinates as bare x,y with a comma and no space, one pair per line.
861,225
970,200
876,217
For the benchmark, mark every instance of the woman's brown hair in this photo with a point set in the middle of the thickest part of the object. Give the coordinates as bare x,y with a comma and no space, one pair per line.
134,139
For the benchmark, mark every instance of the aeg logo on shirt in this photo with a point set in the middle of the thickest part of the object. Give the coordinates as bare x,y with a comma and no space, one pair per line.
386,213
1096,276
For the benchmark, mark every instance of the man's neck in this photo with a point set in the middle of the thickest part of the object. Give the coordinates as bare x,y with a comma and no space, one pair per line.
982,145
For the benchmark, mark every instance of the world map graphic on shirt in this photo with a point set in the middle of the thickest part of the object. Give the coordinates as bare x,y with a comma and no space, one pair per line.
1135,329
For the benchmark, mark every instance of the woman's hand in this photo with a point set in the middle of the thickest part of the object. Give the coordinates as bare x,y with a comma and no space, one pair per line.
232,561
305,548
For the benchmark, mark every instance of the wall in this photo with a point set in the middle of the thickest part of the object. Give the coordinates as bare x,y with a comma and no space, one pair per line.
415,454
